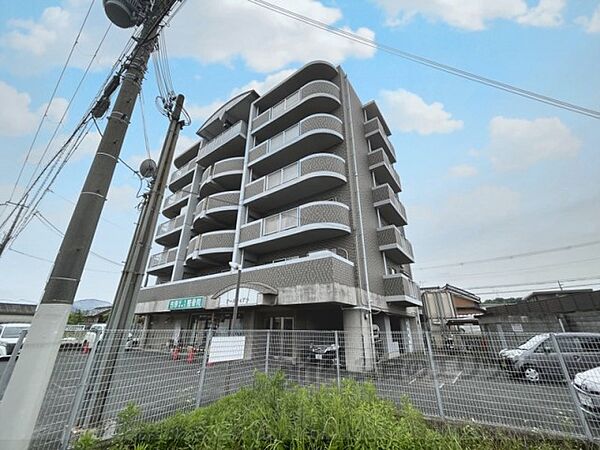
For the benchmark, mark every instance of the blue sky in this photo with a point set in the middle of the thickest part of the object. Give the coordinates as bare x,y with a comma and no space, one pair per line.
484,173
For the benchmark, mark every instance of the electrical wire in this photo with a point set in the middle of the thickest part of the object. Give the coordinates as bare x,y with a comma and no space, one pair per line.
146,141
44,220
430,63
39,258
57,128
533,283
62,197
514,256
575,286
42,119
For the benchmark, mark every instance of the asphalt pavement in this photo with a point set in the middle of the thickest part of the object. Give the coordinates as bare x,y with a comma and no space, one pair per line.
469,390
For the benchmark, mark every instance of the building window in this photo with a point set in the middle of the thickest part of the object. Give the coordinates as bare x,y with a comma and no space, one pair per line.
281,221
284,175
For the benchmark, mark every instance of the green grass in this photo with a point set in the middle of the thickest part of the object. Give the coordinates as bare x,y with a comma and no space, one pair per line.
274,414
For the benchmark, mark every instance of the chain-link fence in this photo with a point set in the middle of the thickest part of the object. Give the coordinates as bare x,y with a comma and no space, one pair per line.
533,382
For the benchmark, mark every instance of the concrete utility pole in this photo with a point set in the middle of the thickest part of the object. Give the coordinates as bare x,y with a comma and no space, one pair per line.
123,308
31,377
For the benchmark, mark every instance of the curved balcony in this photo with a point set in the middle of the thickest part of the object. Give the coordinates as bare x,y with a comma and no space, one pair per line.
212,248
318,96
388,205
316,133
311,175
309,223
217,211
384,171
174,202
182,176
230,142
187,155
162,263
401,291
376,134
168,232
225,175
395,245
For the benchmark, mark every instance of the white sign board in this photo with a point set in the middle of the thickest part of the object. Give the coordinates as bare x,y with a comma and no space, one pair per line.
247,297
226,348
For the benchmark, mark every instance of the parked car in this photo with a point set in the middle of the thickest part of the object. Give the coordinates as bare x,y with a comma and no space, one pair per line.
537,357
587,386
9,335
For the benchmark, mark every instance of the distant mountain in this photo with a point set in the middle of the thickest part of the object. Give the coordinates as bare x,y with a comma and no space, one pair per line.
89,304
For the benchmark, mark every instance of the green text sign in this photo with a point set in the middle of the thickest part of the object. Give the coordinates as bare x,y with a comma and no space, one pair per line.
187,303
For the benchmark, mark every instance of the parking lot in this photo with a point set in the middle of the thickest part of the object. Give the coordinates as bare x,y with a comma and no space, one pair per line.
470,389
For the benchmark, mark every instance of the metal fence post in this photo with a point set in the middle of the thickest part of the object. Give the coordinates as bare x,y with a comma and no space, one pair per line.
563,366
438,395
267,350
77,402
10,366
337,359
203,370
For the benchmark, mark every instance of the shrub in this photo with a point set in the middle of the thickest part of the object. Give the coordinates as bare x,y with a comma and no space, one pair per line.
275,414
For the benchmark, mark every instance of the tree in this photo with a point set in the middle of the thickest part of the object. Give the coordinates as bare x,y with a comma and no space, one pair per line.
76,318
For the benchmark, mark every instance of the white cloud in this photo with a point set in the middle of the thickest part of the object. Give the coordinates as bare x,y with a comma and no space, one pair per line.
18,118
122,198
408,112
263,86
462,171
87,147
264,40
548,13
34,45
473,15
591,24
517,144
199,113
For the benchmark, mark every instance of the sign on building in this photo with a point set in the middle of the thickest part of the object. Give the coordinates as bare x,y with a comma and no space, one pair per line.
247,297
187,303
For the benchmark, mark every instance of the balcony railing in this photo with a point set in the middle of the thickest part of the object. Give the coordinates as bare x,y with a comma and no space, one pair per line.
375,133
383,169
217,211
315,221
214,247
401,290
225,174
165,258
325,130
224,144
304,178
395,245
170,225
313,89
174,202
390,208
176,179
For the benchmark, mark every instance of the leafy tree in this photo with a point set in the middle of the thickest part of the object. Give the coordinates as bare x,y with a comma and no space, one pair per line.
76,318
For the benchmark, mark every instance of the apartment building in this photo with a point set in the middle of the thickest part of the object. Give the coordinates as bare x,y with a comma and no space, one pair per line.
298,187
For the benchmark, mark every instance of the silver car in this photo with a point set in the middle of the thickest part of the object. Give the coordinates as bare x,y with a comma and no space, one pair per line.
587,386
537,357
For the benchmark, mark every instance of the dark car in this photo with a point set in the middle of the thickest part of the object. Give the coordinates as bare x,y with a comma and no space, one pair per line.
537,358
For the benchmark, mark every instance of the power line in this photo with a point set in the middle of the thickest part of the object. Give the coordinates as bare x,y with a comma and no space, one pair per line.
60,77
537,268
533,283
73,203
82,79
49,224
575,286
430,63
514,256
39,258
